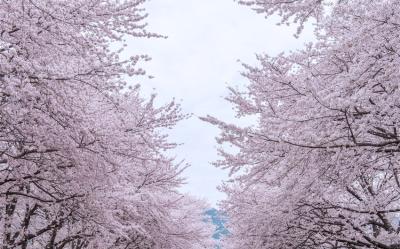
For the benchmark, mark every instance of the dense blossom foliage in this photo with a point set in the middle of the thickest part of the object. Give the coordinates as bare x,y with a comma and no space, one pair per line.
82,162
321,168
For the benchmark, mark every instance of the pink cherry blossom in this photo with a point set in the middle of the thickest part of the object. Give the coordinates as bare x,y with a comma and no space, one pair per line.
82,158
320,169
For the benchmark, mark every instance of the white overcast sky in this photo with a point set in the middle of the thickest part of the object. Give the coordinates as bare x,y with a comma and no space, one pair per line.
206,38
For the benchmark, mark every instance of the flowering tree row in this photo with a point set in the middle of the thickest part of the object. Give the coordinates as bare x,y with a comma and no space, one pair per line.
321,167
82,157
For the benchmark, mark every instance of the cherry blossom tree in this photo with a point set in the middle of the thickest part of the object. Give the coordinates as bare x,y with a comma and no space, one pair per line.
320,169
82,156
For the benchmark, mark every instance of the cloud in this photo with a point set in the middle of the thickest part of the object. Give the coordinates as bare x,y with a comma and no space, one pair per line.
197,61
